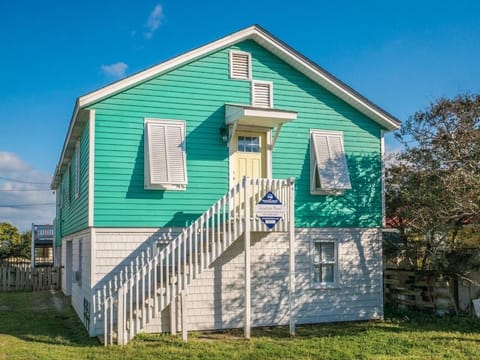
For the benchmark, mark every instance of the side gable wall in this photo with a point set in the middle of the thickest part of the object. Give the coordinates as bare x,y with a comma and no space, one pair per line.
73,216
197,93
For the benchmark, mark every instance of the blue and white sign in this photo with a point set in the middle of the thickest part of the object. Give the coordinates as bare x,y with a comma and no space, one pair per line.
270,210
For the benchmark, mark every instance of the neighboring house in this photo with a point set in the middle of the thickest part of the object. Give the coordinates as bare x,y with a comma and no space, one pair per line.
42,246
153,239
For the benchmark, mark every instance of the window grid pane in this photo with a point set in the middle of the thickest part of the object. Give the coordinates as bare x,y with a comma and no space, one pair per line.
248,144
324,262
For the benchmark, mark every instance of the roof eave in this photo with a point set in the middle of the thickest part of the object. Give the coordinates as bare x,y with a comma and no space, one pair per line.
262,37
72,133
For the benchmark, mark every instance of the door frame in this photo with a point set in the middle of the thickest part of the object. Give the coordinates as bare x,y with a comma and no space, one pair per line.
268,155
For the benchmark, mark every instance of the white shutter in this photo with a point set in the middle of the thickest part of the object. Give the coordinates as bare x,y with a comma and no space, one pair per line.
329,162
262,94
165,154
175,154
157,150
323,161
340,169
240,67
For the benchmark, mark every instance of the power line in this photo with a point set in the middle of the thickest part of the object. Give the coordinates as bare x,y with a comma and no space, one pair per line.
25,205
23,181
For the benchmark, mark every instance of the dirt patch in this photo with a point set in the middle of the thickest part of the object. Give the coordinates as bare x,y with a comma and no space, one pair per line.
57,303
47,300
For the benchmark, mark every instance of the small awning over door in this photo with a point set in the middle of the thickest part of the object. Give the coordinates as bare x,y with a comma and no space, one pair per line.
245,115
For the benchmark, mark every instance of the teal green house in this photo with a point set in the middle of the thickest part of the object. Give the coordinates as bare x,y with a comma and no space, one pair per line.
236,185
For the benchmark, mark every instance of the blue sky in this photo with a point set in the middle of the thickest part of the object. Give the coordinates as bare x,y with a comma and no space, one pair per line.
401,55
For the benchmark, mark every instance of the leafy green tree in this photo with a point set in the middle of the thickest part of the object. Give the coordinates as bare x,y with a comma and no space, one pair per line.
12,243
433,186
9,236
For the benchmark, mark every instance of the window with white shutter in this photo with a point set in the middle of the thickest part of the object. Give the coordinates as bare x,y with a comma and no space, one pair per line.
262,94
165,158
77,170
328,165
240,65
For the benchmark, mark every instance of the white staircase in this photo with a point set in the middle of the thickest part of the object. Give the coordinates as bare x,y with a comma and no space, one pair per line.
156,278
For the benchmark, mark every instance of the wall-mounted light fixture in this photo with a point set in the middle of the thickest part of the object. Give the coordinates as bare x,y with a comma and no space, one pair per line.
224,133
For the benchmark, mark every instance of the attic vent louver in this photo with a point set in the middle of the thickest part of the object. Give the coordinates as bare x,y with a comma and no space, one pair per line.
240,67
262,94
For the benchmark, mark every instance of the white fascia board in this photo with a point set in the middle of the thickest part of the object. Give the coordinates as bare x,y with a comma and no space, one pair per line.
60,164
284,115
284,52
234,113
166,66
261,37
326,81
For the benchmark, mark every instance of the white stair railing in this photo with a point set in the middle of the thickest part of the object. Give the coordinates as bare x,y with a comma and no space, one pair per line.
153,280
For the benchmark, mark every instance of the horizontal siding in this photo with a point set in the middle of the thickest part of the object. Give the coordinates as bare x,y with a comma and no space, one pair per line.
73,216
79,291
197,93
114,250
216,299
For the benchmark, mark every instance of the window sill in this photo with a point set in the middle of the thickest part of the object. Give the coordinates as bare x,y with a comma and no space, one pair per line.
327,192
165,187
319,286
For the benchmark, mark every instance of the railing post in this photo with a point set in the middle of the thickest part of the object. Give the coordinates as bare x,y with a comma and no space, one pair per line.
120,317
246,184
291,262
184,315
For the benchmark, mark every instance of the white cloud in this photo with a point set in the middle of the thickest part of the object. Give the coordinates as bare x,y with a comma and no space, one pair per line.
9,162
18,184
116,70
154,21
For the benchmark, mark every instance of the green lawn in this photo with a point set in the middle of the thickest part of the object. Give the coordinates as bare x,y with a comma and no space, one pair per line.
40,325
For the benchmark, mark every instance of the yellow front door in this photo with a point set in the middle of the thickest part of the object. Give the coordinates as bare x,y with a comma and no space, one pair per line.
249,155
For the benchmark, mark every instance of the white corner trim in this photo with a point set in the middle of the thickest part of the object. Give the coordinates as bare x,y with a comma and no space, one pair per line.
269,153
91,167
93,258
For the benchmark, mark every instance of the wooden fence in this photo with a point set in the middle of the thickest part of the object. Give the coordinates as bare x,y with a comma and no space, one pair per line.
418,289
18,278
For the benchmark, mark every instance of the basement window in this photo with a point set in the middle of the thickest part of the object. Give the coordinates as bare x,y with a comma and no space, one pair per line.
324,263
328,165
165,156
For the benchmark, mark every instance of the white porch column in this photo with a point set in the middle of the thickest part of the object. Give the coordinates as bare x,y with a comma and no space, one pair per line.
246,182
291,262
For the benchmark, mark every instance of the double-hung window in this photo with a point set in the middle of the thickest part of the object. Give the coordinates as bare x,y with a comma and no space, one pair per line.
328,165
165,156
325,262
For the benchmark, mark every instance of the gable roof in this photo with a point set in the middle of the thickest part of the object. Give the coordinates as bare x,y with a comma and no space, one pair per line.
264,39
